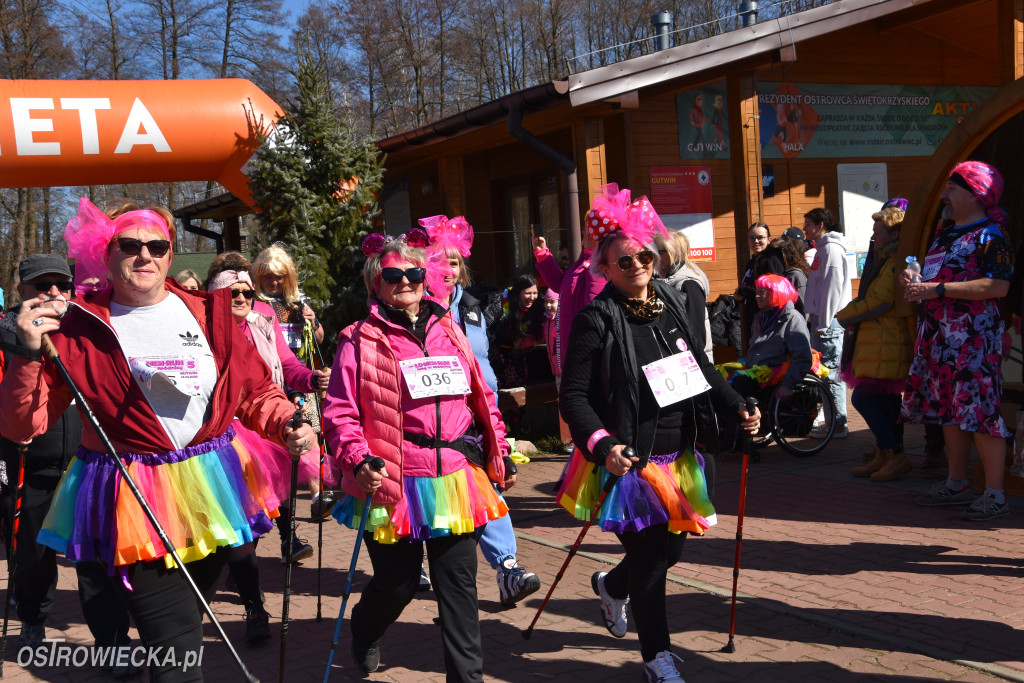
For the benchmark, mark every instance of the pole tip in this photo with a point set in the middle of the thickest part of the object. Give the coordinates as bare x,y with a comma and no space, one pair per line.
729,647
527,633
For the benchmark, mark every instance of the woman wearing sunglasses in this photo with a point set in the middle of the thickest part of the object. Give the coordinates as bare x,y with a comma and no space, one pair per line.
231,271
635,376
406,387
165,372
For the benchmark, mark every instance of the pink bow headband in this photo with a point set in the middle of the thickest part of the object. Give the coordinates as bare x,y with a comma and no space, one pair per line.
90,232
449,233
374,242
226,278
615,211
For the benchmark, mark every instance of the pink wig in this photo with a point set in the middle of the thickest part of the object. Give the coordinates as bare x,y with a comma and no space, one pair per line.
782,290
985,183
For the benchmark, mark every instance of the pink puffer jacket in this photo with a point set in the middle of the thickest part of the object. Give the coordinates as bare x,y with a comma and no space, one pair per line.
367,408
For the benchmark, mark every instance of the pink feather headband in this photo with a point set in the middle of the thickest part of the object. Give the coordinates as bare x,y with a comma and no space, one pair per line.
374,242
614,211
90,232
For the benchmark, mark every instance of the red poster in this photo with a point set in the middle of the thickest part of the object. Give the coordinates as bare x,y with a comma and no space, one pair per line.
682,197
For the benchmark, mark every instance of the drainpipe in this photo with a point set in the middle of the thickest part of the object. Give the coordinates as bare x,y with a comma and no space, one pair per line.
662,23
560,161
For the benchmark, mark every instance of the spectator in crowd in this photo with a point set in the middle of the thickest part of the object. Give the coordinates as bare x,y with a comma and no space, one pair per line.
955,378
436,487
189,279
676,269
551,333
792,251
762,262
876,351
519,330
829,289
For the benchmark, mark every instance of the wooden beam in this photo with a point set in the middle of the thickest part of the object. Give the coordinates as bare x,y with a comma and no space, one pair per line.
1011,40
745,156
596,171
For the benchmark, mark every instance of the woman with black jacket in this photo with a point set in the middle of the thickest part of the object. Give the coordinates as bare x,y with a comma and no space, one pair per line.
630,352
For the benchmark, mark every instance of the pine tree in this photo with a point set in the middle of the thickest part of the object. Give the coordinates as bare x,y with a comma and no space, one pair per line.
315,189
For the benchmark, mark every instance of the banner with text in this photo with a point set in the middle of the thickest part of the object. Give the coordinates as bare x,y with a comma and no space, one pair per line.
820,120
703,122
682,197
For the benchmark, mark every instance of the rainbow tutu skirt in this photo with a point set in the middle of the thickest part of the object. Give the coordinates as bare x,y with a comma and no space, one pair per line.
671,490
455,503
204,496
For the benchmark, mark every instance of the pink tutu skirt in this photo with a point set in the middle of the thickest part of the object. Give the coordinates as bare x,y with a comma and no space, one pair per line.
276,463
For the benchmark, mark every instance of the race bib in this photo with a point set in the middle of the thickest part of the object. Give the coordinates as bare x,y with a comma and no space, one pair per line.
180,373
675,378
434,376
932,264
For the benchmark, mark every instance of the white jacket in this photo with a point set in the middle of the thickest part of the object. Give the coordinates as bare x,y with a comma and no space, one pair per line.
828,282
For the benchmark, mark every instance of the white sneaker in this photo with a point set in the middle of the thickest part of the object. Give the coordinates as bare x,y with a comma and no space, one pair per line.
612,611
662,669
514,584
821,431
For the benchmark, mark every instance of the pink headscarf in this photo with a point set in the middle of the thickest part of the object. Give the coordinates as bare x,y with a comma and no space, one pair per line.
985,183
226,278
90,232
445,234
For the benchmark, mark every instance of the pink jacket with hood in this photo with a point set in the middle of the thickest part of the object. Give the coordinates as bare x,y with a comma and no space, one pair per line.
367,410
576,288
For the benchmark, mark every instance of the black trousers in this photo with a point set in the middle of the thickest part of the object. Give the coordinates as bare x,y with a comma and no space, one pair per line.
396,577
168,615
641,576
35,565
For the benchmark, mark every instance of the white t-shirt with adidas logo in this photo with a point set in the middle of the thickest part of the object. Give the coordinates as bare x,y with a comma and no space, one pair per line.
171,361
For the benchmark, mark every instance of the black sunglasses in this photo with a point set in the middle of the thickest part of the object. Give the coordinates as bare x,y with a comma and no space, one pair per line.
247,293
645,258
64,286
130,246
393,276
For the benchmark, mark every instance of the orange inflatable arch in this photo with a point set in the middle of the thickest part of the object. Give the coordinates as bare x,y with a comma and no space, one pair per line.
55,133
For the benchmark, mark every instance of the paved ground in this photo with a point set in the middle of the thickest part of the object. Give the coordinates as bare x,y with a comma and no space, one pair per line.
841,580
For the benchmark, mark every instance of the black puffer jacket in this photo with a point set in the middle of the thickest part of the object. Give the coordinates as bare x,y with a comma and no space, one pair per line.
601,382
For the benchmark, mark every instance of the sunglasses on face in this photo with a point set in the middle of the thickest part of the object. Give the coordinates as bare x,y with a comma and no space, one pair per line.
645,258
247,293
64,286
393,276
130,246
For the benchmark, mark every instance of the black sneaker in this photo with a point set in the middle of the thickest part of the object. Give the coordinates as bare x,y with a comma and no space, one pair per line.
514,584
367,659
31,636
257,624
300,550
322,505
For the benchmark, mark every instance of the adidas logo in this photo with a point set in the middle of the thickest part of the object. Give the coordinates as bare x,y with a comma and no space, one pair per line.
189,339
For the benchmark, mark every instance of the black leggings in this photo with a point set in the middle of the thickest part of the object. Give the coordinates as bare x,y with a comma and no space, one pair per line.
396,578
641,576
168,615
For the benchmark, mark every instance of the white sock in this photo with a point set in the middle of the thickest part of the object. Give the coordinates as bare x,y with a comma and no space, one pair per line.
956,484
998,494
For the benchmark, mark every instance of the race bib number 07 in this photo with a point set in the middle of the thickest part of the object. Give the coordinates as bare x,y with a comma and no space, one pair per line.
435,376
675,378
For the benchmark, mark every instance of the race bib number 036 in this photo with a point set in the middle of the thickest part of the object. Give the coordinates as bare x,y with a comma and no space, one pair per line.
435,376
675,378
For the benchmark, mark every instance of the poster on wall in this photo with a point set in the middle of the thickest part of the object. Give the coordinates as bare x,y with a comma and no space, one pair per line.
819,120
682,197
703,123
863,188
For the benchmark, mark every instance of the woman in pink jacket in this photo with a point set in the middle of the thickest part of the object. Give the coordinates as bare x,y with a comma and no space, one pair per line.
406,387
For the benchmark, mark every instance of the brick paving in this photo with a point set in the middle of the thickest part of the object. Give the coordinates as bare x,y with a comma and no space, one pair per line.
841,580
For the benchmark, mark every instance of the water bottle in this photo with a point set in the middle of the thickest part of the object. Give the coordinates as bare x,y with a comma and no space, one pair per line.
914,267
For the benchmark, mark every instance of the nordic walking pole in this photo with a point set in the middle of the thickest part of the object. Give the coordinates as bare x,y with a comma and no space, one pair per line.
314,347
608,485
51,352
15,517
292,495
376,463
730,646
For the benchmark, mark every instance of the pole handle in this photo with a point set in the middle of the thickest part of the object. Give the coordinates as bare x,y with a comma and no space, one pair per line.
48,348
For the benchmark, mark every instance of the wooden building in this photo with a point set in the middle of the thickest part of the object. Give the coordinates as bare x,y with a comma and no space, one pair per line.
840,106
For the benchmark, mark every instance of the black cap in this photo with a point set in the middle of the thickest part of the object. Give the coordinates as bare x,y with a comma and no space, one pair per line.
35,265
794,233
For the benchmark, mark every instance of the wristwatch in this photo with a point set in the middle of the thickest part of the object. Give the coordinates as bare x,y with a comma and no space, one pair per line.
940,289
